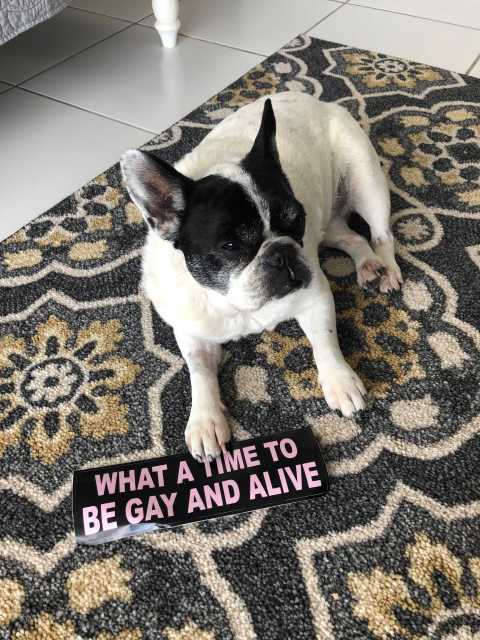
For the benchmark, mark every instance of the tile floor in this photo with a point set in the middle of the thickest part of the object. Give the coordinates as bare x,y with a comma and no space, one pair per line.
94,80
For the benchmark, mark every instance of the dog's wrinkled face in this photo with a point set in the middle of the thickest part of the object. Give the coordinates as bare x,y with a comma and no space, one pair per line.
240,229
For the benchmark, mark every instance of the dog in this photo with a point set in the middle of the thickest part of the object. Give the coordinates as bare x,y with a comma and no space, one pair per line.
234,230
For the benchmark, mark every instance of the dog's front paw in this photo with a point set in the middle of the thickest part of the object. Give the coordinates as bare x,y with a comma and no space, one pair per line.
206,433
343,390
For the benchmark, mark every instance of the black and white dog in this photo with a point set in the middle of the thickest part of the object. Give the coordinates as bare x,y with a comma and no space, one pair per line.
234,231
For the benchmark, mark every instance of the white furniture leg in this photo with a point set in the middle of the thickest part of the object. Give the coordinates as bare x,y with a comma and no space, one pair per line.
167,23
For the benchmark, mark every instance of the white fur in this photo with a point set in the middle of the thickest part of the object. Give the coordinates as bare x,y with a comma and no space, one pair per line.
320,145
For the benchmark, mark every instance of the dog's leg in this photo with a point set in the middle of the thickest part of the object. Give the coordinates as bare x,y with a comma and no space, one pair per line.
341,386
371,199
368,194
207,429
338,235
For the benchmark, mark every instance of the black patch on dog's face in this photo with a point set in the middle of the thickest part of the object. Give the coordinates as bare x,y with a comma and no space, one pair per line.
287,215
221,233
215,221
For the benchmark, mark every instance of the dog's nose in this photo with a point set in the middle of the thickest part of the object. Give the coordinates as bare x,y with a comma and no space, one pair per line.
285,270
277,258
283,261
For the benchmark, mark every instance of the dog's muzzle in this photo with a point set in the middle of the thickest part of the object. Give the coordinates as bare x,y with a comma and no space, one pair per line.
284,269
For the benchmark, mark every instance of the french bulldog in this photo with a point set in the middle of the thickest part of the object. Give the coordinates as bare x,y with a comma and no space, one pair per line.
234,230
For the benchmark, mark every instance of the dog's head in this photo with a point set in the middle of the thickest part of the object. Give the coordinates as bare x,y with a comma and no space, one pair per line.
240,229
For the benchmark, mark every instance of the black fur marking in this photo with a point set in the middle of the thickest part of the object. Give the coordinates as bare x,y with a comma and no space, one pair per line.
284,270
287,215
221,232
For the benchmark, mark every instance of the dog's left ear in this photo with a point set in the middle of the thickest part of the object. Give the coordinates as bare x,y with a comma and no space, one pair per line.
265,145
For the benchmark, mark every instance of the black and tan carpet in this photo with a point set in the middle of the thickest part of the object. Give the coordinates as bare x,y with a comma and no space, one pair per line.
90,374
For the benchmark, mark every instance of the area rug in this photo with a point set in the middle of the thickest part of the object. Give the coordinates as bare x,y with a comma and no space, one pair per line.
90,375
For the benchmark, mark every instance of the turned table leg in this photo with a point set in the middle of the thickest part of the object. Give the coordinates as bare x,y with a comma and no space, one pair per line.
167,23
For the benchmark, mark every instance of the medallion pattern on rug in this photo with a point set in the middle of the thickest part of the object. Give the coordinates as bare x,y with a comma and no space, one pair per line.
89,374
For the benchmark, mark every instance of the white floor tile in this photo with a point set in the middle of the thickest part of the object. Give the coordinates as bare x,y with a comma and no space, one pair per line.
131,10
401,36
4,87
262,26
462,12
52,41
132,78
48,151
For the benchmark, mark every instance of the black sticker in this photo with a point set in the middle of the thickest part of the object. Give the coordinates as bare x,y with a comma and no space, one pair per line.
122,500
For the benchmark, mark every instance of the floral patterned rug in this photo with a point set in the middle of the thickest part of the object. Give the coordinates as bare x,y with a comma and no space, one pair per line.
89,375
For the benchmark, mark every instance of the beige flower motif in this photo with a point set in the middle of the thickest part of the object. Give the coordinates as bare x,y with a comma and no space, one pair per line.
21,259
377,70
126,634
276,347
189,632
414,414
45,627
56,237
416,295
83,251
331,429
111,197
435,151
251,384
56,374
11,601
394,325
378,594
77,231
413,229
463,633
93,584
254,84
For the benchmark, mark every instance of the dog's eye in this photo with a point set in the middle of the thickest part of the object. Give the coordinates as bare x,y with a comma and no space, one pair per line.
230,246
290,213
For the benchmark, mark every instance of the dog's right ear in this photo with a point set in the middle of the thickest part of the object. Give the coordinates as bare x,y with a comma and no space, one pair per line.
158,190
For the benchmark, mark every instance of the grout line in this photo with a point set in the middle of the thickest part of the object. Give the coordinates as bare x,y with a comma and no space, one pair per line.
93,113
340,6
128,24
472,65
73,55
226,46
412,15
7,90
218,44
103,15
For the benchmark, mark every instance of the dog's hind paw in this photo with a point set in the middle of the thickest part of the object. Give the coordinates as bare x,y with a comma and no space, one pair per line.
370,271
390,280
